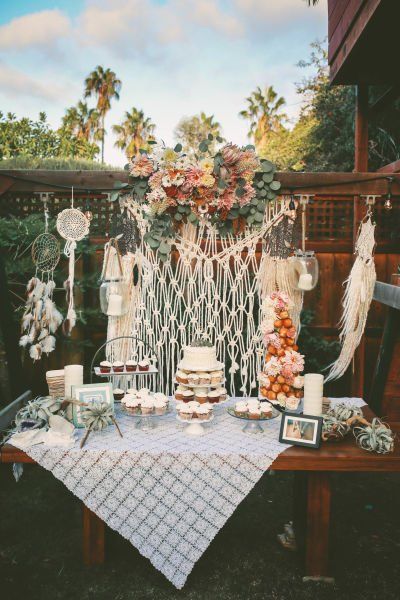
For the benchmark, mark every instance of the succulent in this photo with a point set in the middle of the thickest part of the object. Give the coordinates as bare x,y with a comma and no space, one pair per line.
40,410
97,415
375,437
343,411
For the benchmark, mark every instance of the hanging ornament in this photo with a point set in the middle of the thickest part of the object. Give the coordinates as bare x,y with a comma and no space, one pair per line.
124,228
357,296
304,263
114,289
73,226
41,318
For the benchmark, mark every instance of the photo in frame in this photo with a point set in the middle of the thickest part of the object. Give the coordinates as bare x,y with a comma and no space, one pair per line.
90,392
301,430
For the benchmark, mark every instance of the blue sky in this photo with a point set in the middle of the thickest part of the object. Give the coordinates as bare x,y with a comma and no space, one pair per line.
174,57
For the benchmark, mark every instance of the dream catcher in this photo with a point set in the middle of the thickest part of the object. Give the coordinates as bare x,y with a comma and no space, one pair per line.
359,289
41,318
124,228
73,225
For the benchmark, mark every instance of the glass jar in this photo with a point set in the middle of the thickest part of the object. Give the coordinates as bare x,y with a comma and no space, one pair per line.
305,267
114,297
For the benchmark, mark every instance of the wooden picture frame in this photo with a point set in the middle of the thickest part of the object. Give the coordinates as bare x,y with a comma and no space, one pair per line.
89,393
300,430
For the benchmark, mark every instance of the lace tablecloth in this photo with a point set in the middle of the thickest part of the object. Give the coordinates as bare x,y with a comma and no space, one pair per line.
166,492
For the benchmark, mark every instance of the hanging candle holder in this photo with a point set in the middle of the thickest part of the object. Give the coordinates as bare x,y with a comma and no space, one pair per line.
304,262
114,289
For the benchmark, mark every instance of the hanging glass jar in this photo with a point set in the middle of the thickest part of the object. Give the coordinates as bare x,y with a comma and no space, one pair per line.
114,297
306,270
114,290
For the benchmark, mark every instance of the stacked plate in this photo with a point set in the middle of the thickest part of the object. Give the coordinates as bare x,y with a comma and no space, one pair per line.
55,382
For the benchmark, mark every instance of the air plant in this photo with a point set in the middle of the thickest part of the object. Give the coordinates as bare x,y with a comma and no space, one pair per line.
375,437
38,410
333,429
344,412
96,416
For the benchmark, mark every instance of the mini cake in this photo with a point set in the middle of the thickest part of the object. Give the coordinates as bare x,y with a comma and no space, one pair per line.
193,379
200,356
213,396
204,378
241,409
201,397
147,406
118,394
266,410
105,366
131,365
118,366
254,413
216,377
181,377
187,395
292,403
203,413
144,364
160,406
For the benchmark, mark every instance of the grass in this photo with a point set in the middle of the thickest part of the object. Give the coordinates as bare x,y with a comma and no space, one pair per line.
40,548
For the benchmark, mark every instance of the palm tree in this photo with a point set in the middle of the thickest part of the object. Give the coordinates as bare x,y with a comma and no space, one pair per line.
104,84
82,121
264,112
190,131
134,132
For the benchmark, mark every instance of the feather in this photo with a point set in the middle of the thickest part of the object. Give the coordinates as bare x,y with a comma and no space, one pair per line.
35,351
26,321
56,320
24,341
48,344
30,286
49,288
44,333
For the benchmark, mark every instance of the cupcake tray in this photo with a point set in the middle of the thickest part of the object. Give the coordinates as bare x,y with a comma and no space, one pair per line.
253,425
194,426
200,385
112,373
146,422
213,403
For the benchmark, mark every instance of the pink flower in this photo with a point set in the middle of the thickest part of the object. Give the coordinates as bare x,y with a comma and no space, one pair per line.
287,372
155,180
141,166
194,176
273,367
291,332
249,194
273,339
294,359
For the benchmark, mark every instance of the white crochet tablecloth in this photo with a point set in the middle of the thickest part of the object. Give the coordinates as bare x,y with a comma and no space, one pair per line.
166,492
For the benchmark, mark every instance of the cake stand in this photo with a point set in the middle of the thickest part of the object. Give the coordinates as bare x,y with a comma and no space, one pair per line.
194,426
146,422
281,408
254,425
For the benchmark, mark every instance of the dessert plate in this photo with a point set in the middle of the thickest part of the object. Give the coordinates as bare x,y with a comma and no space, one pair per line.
253,425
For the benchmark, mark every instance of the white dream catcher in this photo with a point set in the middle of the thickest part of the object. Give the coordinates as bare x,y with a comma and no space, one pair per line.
73,225
41,318
359,289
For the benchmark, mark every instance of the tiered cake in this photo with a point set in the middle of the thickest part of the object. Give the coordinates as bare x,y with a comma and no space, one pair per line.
200,376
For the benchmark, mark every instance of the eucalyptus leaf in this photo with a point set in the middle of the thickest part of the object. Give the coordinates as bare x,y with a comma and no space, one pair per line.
178,148
203,146
178,217
268,177
164,248
275,185
210,137
267,166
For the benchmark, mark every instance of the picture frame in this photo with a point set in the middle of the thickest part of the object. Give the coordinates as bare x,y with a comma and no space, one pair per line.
301,430
90,392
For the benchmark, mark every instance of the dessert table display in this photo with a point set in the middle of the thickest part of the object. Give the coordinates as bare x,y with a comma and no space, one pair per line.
167,493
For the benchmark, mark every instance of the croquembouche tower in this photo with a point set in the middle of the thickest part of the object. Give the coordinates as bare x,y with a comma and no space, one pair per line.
280,380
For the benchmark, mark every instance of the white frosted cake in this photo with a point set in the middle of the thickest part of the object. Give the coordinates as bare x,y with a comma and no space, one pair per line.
199,358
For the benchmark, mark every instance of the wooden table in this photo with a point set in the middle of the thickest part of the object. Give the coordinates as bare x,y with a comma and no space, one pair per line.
312,494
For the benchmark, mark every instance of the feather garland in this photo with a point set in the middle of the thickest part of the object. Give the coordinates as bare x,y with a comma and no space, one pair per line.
357,299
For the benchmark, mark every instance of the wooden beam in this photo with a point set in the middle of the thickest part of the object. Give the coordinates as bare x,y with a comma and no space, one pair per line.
330,183
389,96
93,538
393,167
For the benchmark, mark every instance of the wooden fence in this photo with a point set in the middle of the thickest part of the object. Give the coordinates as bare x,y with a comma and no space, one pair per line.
331,231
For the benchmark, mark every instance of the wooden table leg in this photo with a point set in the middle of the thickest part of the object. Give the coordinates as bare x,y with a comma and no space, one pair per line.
93,538
318,522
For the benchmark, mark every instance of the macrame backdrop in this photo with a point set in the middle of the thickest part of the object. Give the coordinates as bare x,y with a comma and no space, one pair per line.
210,287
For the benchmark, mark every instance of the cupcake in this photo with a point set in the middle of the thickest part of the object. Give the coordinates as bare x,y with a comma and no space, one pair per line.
186,413
266,410
292,403
201,397
254,413
132,405
181,377
160,406
223,394
203,413
105,366
147,406
204,378
216,377
144,364
132,392
179,392
241,409
131,365
193,379
213,396
187,395
160,396
143,392
118,366
118,394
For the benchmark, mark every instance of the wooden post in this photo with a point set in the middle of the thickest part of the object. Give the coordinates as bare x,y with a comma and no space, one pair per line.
93,538
318,523
360,166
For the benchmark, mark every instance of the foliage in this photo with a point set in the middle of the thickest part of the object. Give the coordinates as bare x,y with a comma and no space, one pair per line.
82,122
319,352
25,137
191,131
105,85
230,189
264,111
134,132
62,163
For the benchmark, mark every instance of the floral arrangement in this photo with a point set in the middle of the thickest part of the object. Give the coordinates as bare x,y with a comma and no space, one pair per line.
280,381
230,189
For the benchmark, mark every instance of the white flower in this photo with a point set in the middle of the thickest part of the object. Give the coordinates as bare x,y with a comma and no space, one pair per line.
267,326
